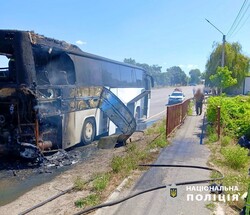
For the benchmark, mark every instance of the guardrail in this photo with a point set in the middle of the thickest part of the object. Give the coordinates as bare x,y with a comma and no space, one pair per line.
176,115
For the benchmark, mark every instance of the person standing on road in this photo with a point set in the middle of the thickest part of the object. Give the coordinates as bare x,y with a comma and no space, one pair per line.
199,97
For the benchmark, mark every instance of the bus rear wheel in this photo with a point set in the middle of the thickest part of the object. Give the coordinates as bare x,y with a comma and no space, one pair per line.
88,131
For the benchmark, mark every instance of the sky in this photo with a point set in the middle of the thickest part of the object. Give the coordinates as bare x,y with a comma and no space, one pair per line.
163,32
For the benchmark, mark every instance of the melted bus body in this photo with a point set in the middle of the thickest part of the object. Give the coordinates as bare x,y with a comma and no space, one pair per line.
51,94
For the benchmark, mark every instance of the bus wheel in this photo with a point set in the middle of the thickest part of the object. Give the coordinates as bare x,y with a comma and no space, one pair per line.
88,131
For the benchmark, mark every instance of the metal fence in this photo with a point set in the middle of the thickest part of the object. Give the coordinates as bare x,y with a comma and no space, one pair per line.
176,115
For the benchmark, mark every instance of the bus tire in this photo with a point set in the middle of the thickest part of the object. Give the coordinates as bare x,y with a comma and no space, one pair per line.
88,131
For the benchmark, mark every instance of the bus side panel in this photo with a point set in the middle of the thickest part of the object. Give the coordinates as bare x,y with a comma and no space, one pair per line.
69,134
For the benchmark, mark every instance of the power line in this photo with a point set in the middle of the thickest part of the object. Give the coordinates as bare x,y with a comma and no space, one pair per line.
243,5
244,11
235,32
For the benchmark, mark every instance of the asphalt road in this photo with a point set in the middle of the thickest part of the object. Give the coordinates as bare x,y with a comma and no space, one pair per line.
159,99
184,149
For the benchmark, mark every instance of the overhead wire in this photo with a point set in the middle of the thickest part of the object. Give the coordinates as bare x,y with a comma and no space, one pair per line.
234,33
238,19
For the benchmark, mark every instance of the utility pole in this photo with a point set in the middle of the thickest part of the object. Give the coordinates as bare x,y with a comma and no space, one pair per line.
223,43
223,51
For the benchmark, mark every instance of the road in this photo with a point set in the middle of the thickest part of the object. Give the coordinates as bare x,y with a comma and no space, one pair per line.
159,98
184,149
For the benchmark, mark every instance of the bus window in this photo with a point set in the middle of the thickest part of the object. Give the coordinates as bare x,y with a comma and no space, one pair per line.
53,68
7,68
139,77
111,74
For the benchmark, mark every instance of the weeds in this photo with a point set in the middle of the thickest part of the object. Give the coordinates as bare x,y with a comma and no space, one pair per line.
211,206
190,108
90,200
101,181
160,142
213,138
225,140
122,166
235,156
79,183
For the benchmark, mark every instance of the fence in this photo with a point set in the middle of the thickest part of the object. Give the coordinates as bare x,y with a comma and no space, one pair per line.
176,115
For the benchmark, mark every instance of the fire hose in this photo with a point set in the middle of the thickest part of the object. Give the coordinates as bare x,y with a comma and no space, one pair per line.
88,210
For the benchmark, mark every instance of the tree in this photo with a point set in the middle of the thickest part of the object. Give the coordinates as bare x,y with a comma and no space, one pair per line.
223,78
173,76
176,76
195,75
160,78
235,61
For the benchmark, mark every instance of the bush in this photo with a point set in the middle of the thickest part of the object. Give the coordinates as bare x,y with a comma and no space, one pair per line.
235,156
235,114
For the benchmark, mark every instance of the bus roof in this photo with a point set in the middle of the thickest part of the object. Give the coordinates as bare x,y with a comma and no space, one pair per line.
62,45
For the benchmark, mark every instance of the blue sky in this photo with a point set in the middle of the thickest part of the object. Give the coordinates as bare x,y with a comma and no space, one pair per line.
164,32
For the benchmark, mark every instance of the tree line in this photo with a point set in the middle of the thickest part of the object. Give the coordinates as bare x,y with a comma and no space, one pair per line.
173,76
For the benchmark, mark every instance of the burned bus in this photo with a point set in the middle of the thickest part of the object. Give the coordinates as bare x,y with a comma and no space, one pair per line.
53,95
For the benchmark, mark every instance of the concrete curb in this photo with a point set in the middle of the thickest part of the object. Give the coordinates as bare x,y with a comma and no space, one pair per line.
113,196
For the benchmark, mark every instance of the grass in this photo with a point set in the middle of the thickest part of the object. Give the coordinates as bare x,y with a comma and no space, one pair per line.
233,162
135,155
123,166
90,200
211,206
79,183
130,161
101,181
225,140
235,156
190,108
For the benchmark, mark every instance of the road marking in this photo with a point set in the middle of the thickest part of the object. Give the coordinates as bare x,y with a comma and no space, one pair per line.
156,115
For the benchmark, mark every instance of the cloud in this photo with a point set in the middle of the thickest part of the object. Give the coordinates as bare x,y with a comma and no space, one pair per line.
191,66
79,42
188,66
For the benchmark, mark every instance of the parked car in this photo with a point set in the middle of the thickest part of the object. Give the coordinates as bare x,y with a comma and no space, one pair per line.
176,97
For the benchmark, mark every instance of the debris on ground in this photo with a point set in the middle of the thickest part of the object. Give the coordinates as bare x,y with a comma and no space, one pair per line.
59,159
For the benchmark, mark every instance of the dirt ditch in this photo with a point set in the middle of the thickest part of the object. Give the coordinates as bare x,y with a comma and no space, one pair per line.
59,179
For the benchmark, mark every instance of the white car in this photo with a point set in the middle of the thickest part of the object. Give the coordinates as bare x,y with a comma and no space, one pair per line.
176,97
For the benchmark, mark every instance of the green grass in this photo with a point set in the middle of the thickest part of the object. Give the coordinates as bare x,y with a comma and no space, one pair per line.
101,181
90,200
79,183
211,206
215,174
157,128
235,156
160,142
213,138
190,108
225,140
